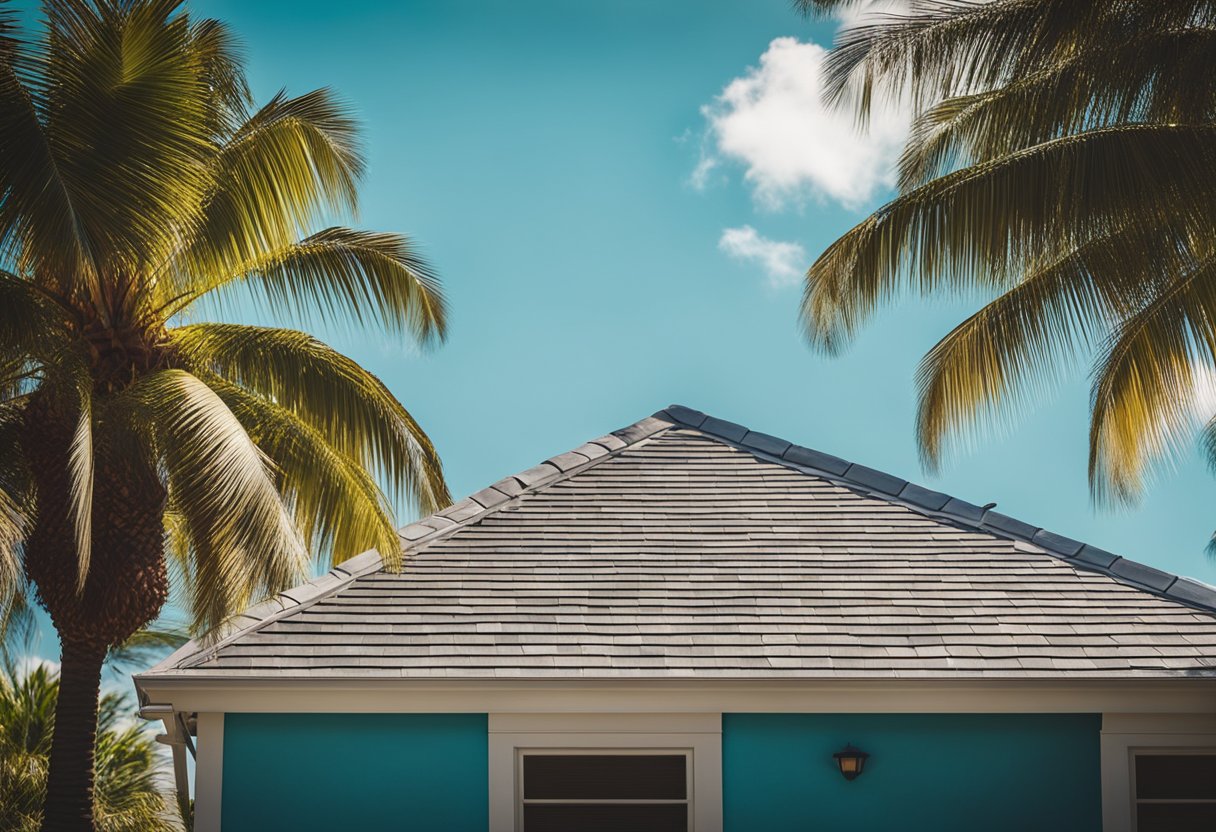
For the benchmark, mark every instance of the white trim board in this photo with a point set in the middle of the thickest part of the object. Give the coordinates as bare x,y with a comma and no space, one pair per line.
698,735
684,696
209,773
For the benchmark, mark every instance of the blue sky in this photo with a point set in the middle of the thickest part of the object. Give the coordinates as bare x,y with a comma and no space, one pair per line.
617,227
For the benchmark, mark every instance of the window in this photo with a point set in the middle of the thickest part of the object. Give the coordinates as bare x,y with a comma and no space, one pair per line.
624,772
1175,791
604,790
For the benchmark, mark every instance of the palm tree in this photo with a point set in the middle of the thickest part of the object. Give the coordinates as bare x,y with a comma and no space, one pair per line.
141,192
130,787
1061,162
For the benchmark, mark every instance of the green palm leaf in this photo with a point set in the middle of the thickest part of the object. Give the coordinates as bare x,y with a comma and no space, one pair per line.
950,234
38,222
287,166
1142,79
127,127
243,540
337,506
361,276
1144,387
1008,353
351,408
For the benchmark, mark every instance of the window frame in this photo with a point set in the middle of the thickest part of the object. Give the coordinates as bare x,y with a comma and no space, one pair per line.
1137,801
696,736
553,751
1124,736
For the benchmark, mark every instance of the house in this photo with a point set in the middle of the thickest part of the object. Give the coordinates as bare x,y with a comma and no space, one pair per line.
690,625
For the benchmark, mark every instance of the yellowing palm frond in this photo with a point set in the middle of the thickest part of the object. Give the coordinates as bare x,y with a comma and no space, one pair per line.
1145,384
286,167
1027,337
351,408
340,274
222,486
80,472
336,505
990,220
128,128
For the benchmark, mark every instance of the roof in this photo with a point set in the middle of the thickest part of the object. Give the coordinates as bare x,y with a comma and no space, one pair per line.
687,546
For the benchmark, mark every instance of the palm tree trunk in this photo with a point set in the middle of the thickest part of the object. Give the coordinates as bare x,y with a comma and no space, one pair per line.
70,779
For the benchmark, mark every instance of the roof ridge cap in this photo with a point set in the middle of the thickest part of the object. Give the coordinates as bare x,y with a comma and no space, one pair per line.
511,489
939,505
436,526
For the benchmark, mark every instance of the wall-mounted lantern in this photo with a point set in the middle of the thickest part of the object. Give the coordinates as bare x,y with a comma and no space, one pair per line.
851,760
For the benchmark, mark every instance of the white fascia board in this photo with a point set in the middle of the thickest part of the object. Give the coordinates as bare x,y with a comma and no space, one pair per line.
681,696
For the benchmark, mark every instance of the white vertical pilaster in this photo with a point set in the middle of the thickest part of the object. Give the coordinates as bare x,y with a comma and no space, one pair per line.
209,774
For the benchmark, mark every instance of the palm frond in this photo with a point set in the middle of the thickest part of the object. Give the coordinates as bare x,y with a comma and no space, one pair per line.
243,542
362,277
39,224
1024,340
945,48
349,406
292,163
80,474
972,227
810,7
223,70
147,645
16,620
337,506
1143,79
27,327
126,118
1144,386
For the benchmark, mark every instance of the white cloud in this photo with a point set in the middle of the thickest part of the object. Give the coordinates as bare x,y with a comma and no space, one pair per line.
773,121
28,664
782,262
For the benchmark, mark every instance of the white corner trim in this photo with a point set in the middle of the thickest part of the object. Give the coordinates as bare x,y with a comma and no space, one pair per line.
1125,734
209,774
698,735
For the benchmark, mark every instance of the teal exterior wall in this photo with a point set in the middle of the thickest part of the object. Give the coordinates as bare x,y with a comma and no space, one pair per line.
325,772
991,772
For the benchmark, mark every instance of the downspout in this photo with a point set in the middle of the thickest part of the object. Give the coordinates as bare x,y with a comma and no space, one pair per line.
177,737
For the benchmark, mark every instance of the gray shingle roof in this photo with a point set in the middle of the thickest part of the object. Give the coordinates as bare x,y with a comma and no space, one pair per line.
686,546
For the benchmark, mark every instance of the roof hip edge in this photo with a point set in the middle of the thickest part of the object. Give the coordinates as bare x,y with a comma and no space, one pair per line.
1187,591
425,531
